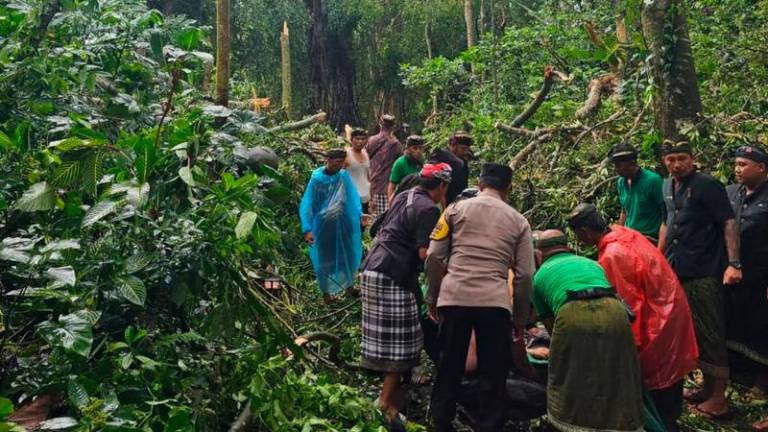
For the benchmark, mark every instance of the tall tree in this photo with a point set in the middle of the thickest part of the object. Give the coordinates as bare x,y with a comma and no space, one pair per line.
676,100
222,52
285,52
332,68
469,18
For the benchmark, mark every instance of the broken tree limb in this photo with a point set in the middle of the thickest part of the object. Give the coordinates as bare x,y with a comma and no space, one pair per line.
549,78
615,116
241,423
320,117
523,154
330,338
597,88
523,131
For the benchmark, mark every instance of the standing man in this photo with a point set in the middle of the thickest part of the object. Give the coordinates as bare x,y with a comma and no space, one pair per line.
481,239
383,149
407,164
746,302
663,328
594,379
392,336
699,229
331,214
358,165
457,155
640,192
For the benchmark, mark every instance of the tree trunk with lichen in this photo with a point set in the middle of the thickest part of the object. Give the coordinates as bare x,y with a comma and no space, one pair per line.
677,102
469,18
285,51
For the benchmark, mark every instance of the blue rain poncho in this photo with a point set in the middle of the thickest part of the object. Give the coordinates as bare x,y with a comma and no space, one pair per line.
331,210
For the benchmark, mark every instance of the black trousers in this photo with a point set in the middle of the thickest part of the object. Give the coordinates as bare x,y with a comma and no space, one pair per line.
669,403
492,329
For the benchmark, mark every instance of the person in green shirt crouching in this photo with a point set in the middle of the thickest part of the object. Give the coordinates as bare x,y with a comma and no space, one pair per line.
640,192
410,162
594,381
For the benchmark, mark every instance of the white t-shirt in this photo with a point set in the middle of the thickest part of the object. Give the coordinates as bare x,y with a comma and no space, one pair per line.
359,173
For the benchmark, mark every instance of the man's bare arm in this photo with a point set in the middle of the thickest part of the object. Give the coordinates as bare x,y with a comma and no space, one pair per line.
732,239
622,218
662,237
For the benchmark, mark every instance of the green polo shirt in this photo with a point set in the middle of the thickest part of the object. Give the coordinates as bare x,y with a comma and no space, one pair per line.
561,273
642,200
402,168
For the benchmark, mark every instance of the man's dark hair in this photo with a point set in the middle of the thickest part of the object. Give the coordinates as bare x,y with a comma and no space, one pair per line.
430,183
587,216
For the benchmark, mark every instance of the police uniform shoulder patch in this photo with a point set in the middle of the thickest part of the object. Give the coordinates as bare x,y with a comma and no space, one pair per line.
442,229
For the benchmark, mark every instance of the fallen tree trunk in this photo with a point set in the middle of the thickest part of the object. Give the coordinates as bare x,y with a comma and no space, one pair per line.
598,88
549,78
320,117
523,154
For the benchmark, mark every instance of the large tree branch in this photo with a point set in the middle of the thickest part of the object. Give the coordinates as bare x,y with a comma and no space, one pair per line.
523,154
320,117
597,88
549,79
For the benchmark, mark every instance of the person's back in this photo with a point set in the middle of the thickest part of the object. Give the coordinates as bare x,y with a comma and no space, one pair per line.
486,234
663,328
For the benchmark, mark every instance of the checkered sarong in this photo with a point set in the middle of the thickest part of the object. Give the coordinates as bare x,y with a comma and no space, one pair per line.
381,204
392,337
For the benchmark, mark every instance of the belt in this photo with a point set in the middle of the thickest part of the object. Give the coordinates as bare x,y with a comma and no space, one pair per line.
598,293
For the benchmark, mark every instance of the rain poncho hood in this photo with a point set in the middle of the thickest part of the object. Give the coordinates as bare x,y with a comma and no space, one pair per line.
331,210
663,329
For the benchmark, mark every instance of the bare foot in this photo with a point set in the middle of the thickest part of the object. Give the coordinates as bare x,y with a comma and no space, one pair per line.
713,409
696,395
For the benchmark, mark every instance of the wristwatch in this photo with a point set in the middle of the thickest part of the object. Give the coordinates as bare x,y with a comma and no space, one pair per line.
735,264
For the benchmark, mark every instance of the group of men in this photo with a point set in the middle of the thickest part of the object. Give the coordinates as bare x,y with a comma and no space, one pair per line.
679,279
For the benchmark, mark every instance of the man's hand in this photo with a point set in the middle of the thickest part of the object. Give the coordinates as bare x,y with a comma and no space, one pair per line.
366,220
432,312
309,238
732,276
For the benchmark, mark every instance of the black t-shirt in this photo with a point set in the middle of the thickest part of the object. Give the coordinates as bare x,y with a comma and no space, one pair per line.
752,216
696,210
459,172
395,251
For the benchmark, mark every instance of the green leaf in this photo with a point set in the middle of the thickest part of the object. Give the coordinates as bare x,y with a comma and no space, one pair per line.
61,276
6,407
188,39
6,143
58,423
72,333
186,175
156,42
91,172
66,174
98,212
132,289
137,262
77,394
204,56
245,224
39,197
146,157
137,196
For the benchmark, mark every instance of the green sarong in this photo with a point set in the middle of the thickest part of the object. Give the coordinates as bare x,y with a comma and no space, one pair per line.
706,301
594,372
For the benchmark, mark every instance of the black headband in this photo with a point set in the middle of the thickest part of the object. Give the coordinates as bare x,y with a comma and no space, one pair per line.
671,147
561,240
753,153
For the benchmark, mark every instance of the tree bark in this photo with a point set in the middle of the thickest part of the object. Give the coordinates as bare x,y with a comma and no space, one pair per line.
469,18
676,101
222,52
332,69
285,50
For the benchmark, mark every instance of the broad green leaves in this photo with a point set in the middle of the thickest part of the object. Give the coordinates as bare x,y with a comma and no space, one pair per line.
73,332
132,289
245,224
99,211
39,197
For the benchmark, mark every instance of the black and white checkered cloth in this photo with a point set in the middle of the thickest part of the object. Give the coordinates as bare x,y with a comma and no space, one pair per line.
381,204
392,338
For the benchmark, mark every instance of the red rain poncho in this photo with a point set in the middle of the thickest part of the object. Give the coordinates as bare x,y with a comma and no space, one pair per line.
663,328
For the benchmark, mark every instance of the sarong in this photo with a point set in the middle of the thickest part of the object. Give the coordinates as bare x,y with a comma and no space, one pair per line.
392,337
747,318
594,373
382,204
706,302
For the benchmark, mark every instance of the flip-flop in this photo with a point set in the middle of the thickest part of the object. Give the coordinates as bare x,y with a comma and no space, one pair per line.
709,415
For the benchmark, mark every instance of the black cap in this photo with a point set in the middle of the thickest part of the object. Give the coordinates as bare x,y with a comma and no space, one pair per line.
497,176
540,243
356,132
461,137
623,152
582,214
387,119
469,192
336,154
671,147
753,153
414,140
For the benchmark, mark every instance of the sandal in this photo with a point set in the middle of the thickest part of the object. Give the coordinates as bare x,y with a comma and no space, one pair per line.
760,426
710,415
